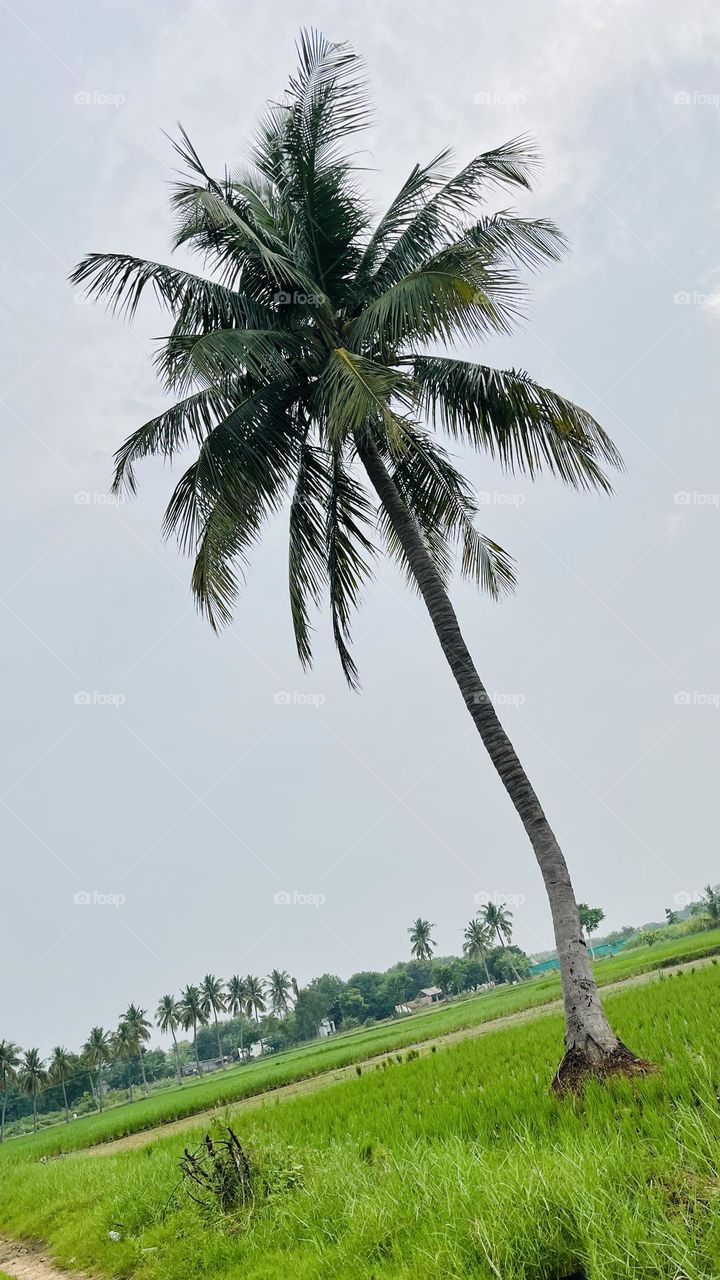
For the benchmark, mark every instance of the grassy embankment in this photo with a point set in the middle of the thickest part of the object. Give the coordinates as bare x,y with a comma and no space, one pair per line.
459,1163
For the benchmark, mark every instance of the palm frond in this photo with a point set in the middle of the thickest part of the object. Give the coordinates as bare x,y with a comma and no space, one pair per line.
527,427
349,552
510,165
307,564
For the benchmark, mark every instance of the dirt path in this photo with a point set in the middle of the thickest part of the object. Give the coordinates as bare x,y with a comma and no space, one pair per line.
321,1081
23,1262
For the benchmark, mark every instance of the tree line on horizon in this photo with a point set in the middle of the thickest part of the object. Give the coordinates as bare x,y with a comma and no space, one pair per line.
272,1011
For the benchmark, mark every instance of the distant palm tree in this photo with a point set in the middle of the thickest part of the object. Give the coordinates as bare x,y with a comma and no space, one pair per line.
61,1068
255,996
279,988
9,1059
168,1017
192,1015
212,995
125,1047
477,941
237,1001
498,919
32,1075
421,943
303,364
96,1051
134,1017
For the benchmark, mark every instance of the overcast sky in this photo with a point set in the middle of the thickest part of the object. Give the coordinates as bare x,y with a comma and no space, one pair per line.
147,762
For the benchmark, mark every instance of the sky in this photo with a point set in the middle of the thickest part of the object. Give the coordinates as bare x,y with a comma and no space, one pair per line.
173,803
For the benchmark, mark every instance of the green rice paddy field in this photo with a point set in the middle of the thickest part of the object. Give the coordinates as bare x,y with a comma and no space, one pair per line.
455,1164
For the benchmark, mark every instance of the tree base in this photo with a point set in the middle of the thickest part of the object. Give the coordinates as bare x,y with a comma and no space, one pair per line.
593,1063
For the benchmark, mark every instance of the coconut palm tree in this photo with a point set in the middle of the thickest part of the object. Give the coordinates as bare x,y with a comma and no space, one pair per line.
9,1060
192,1015
279,988
168,1017
126,1047
96,1051
255,997
498,921
477,941
421,943
303,367
237,1002
32,1075
137,1022
212,994
61,1069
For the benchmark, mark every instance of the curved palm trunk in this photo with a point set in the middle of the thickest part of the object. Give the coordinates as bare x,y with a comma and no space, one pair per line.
197,1060
2,1116
485,966
142,1072
98,1091
34,1097
67,1109
590,1042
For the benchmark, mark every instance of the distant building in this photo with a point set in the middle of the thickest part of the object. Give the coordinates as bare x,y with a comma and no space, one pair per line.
426,996
429,995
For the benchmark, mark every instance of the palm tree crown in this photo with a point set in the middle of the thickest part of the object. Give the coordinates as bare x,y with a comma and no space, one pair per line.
421,943
255,996
307,346
32,1075
279,988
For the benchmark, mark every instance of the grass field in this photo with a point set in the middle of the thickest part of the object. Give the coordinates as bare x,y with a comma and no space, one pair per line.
457,1164
307,1061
